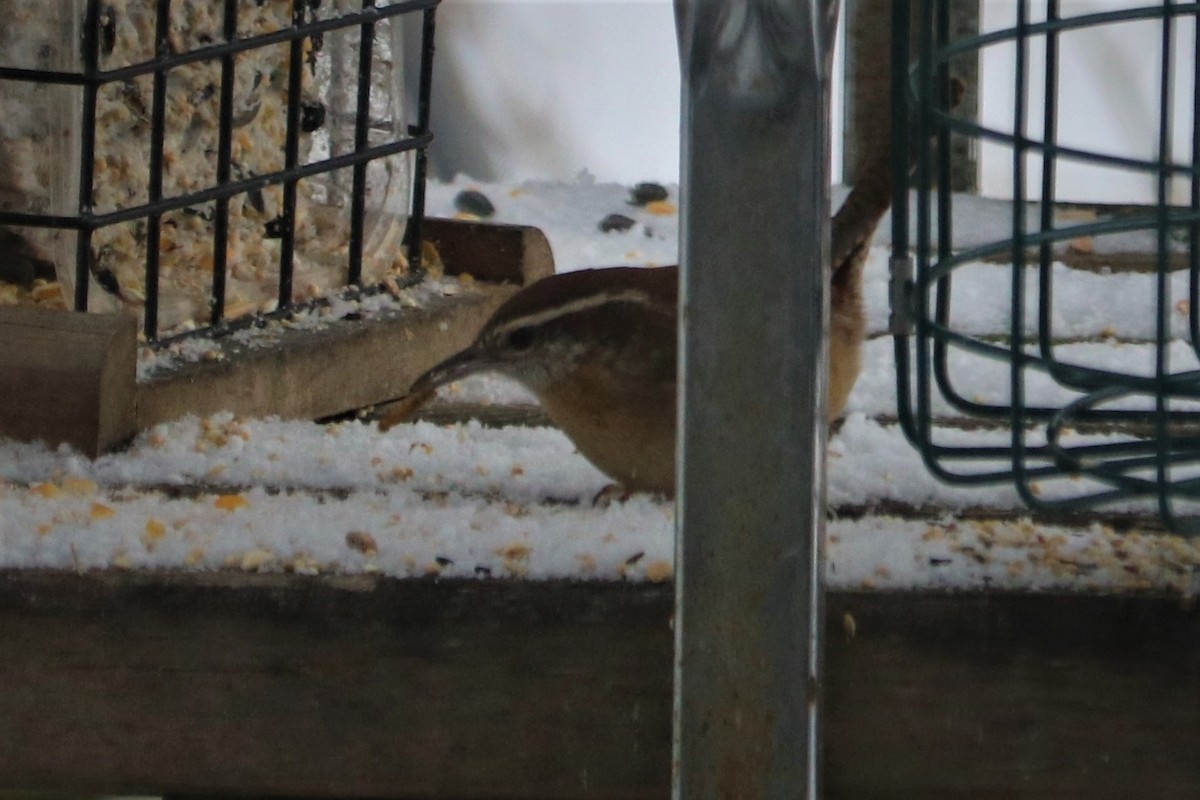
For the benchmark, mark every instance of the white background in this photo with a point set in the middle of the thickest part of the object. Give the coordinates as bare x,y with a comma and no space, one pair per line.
543,89
1108,102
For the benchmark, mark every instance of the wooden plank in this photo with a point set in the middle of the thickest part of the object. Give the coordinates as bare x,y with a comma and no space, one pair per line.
1005,696
368,687
67,377
352,364
490,251
313,373
867,96
342,688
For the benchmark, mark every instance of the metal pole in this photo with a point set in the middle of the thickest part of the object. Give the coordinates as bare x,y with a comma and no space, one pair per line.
754,249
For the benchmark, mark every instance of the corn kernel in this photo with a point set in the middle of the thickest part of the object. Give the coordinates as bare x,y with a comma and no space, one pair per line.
231,502
155,529
101,511
46,490
255,560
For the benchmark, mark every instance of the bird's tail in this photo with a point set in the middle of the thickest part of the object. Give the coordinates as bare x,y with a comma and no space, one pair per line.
855,222
853,227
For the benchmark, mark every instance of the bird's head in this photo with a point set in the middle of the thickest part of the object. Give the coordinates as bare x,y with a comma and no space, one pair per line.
541,334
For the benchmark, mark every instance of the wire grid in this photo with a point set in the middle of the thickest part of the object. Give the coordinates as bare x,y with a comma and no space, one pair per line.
1129,441
305,25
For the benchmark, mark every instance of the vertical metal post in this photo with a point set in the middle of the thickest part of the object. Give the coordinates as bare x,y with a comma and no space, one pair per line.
754,248
416,215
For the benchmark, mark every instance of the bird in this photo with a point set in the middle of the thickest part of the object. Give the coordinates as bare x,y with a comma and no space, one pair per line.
598,348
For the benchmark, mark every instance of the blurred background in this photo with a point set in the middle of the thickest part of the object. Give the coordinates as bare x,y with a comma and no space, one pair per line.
545,89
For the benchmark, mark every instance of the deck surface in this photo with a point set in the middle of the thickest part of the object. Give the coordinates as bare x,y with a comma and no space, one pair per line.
281,685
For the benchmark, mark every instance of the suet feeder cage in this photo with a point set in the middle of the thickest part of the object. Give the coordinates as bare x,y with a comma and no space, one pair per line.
207,168
1073,433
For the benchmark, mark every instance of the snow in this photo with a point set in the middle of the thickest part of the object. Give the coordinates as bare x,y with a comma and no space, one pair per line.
570,215
466,500
152,362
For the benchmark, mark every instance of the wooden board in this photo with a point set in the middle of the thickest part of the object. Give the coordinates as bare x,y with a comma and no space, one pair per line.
364,687
352,364
67,377
490,251
1013,696
314,373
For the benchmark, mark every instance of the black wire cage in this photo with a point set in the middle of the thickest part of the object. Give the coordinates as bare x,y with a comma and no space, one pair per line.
1076,419
214,145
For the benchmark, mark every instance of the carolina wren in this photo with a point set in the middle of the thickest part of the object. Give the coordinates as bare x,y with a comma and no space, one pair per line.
598,349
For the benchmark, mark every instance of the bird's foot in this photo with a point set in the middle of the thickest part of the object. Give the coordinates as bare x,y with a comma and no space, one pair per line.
613,493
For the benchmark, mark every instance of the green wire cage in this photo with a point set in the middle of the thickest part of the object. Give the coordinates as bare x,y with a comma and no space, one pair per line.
1071,427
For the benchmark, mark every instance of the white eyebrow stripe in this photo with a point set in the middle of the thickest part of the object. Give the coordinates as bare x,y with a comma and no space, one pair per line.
574,307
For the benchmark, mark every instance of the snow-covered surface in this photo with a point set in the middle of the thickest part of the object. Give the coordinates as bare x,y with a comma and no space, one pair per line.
570,215
466,500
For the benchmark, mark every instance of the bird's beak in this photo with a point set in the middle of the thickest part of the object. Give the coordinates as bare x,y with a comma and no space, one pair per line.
456,367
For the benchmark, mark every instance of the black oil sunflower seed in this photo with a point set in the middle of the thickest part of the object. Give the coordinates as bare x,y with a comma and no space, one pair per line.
312,117
645,193
471,201
616,222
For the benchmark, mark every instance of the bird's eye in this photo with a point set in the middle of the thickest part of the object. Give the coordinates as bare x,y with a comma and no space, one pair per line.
521,339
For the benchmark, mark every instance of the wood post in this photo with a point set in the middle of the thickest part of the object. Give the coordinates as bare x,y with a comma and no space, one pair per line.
67,378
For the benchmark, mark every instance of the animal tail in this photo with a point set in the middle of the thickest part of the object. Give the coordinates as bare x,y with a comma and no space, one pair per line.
855,222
